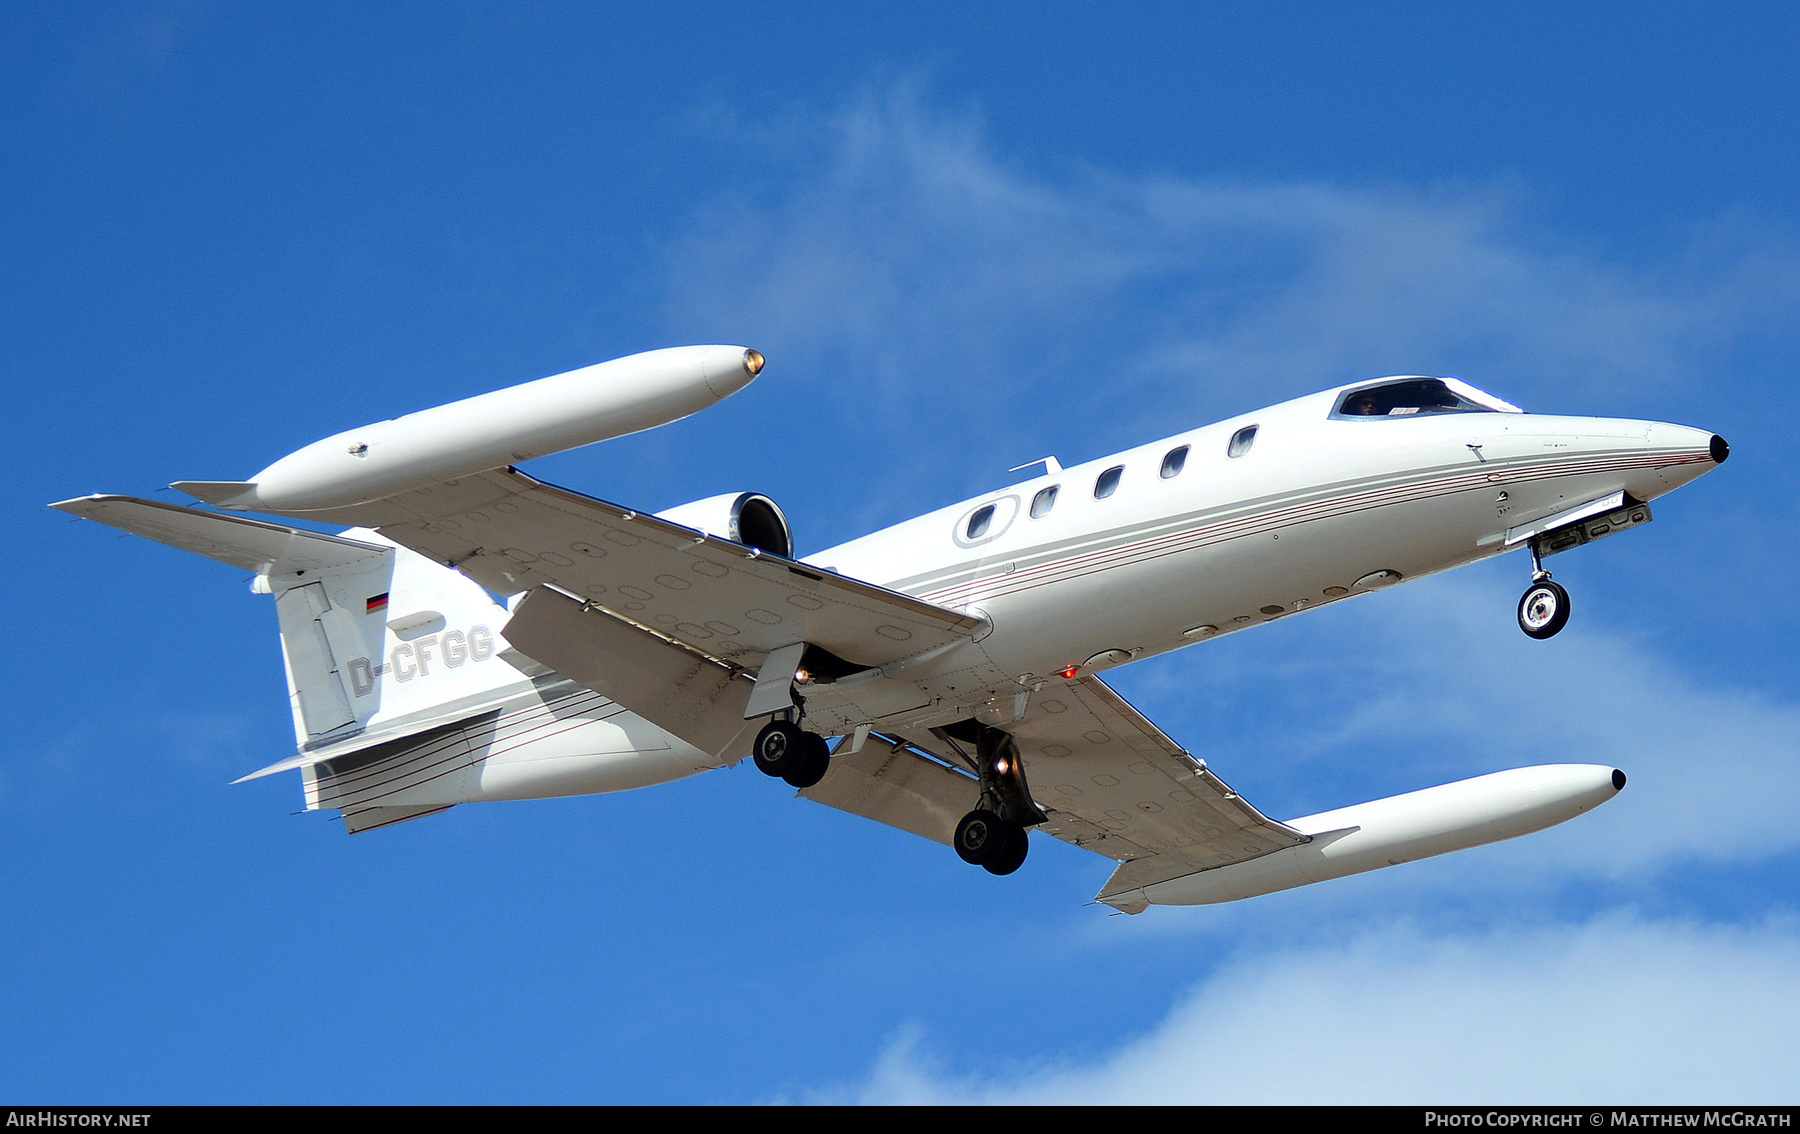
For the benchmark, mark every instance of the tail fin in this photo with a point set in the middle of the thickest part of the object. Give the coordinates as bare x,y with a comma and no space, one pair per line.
376,638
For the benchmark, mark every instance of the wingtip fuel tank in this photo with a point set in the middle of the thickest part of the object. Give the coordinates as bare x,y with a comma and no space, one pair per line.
1400,828
519,423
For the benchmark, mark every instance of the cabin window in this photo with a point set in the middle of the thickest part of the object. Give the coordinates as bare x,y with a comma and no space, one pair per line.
1241,441
1108,483
978,523
1416,397
1174,461
1043,502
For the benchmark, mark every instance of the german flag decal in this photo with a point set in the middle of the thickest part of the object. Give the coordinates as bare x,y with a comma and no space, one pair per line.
377,604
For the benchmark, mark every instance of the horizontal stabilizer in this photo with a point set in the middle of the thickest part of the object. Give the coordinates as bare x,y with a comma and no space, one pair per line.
249,544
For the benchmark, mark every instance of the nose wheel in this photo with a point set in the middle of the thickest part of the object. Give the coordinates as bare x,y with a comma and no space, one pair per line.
1543,609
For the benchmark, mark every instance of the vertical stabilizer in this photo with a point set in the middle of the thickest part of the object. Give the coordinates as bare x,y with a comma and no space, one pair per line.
393,645
375,637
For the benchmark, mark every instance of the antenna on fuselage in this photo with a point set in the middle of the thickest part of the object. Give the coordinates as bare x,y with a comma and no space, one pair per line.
1052,466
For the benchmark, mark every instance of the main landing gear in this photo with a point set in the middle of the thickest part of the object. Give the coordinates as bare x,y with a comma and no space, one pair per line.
788,752
993,835
996,845
1544,607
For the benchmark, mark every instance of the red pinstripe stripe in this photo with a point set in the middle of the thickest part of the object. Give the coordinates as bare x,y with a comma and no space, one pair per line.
1158,547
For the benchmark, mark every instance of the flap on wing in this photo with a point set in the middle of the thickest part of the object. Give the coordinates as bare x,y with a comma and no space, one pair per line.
680,691
512,533
1114,783
250,544
890,783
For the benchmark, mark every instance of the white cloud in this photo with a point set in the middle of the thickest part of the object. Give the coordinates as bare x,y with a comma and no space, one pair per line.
952,313
1433,683
901,252
1617,1011
939,312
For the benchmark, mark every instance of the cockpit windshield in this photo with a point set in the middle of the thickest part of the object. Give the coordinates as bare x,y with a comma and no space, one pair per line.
1416,397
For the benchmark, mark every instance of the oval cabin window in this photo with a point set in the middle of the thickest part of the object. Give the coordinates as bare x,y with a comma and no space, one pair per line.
978,523
1241,441
1174,461
1108,483
1043,502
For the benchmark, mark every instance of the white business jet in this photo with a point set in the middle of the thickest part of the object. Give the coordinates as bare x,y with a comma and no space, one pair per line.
940,676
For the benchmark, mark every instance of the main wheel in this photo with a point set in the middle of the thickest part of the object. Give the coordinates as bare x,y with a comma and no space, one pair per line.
780,748
1010,855
980,834
815,761
1543,609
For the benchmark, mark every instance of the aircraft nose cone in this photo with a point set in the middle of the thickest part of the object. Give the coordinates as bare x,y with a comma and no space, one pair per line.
1719,449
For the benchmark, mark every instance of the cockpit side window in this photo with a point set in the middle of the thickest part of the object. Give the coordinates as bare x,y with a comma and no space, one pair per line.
1416,397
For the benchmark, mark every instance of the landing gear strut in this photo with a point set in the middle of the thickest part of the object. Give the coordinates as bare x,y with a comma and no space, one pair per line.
786,751
993,835
1544,607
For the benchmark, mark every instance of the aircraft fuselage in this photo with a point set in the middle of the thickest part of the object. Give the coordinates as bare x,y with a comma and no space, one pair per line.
1318,508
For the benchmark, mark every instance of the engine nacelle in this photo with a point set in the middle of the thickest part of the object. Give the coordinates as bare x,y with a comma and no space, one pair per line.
749,518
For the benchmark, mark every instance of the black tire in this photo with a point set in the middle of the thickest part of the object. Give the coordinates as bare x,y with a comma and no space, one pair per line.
1011,854
780,747
1543,609
815,761
980,834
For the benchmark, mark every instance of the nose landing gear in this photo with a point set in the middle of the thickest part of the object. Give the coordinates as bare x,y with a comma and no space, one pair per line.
1544,607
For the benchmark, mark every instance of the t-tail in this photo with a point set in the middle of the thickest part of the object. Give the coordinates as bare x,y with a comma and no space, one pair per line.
406,697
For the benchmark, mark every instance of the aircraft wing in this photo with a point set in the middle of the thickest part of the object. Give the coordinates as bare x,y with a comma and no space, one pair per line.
1116,784
1109,780
512,533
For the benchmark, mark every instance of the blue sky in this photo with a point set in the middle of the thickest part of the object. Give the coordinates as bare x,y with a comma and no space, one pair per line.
963,239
